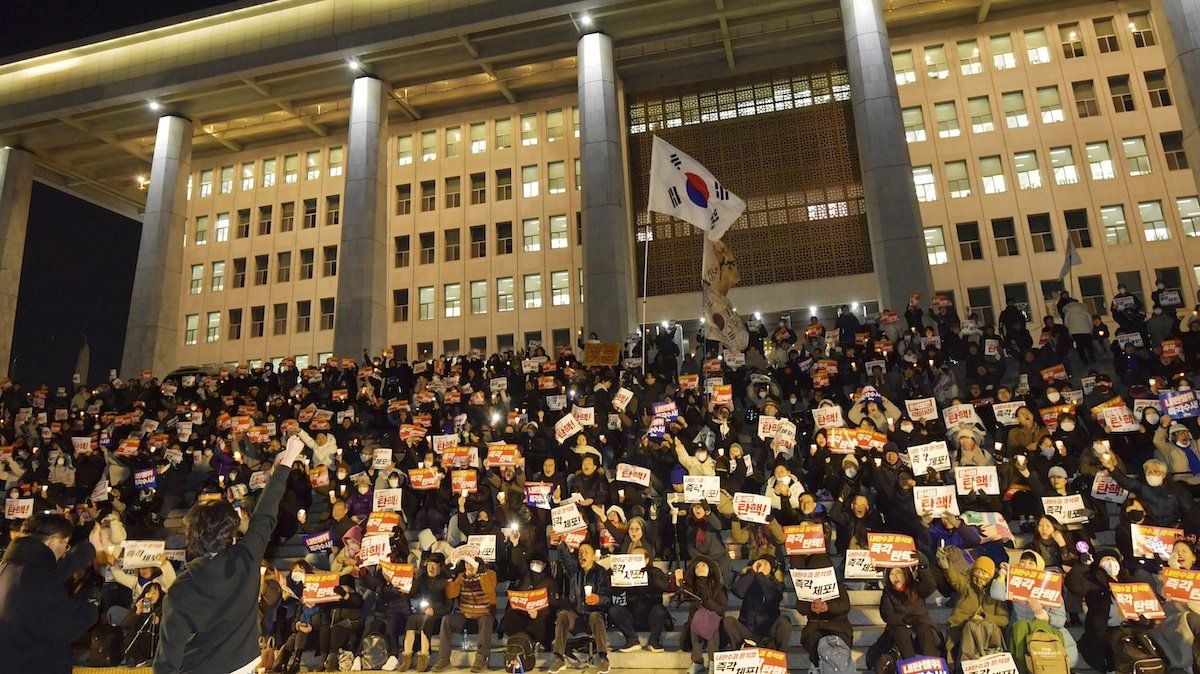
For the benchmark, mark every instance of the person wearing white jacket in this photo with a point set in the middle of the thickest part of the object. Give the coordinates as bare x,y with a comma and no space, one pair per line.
324,448
1078,321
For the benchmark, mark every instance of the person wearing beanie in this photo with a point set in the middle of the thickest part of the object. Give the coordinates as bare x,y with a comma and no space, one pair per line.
1024,613
1174,446
759,620
974,600
538,624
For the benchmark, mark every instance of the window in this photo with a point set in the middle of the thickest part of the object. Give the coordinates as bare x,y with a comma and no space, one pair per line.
261,265
222,227
226,180
558,231
575,121
428,145
1002,52
404,150
1036,48
336,161
936,67
533,291
1122,95
1041,232
1014,110
218,277
1132,280
428,195
479,297
935,245
478,188
504,133
243,224
206,180
426,241
247,176
579,174
478,137
923,179
327,308
560,288
1153,225
1062,162
258,320
264,220
279,325
235,324
403,255
1050,105
425,303
453,142
1171,278
1085,99
531,233
979,109
529,130
478,241
400,305
1137,161
478,344
1051,289
914,124
946,116
1071,39
980,301
1139,26
283,267
529,181
333,210
1156,85
1099,161
312,166
968,58
902,64
287,216
191,327
1077,227
1029,176
504,294
503,184
1189,215
303,316
239,272
1115,230
452,294
554,125
404,199
291,170
1019,294
958,185
556,176
969,245
1106,35
1005,232
1091,291
453,239
329,255
307,262
1172,144
310,214
268,176
504,238
453,192
197,283
992,171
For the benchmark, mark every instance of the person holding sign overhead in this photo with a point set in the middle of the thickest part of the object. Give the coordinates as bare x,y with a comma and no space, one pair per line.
904,611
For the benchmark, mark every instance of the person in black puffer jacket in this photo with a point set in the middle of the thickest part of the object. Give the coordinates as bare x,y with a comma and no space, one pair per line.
902,608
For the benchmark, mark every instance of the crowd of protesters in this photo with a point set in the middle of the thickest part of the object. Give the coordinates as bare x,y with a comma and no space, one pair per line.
475,549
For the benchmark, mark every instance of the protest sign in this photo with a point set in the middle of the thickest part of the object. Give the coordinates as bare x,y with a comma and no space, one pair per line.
1066,509
141,554
464,481
829,416
1136,601
702,489
627,472
374,549
387,500
19,508
320,588
971,479
859,567
537,494
321,542
400,576
751,507
486,544
806,538
1181,585
566,518
1120,419
1006,413
930,455
921,409
566,427
424,479
1150,542
923,664
1044,586
528,600
628,571
814,584
996,663
381,458
891,550
1180,404
935,500
1105,488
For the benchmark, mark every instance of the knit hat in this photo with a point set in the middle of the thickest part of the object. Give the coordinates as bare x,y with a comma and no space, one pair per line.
1177,427
1058,471
985,564
677,475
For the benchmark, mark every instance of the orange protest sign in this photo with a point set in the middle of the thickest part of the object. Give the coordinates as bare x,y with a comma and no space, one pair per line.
502,455
599,354
424,479
320,588
528,600
1044,586
382,523
891,550
464,480
399,575
1181,585
459,457
807,538
1150,542
1136,601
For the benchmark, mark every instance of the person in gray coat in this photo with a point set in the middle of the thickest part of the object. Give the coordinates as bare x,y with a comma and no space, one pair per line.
1078,321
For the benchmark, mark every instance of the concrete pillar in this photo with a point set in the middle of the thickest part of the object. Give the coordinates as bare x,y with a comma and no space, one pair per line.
893,218
152,335
16,185
608,278
360,319
1177,25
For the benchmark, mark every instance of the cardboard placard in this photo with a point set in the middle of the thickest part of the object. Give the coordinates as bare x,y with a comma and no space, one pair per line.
486,544
500,456
1006,413
923,664
828,417
1181,585
400,576
566,518
628,571
1136,601
529,600
600,354
141,554
424,479
1180,404
464,481
1044,586
319,542
806,538
859,566
930,455
537,494
320,588
996,663
621,398
18,508
891,550
751,507
1105,488
375,549
565,428
1120,420
970,479
814,584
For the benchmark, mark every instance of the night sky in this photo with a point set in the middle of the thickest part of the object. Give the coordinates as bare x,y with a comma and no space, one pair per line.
77,274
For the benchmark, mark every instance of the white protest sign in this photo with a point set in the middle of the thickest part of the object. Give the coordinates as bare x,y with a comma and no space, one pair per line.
1105,488
1120,419
386,500
971,479
375,549
586,416
768,426
785,435
381,457
751,507
1006,413
957,414
628,571
930,455
921,409
81,443
935,500
859,567
621,398
701,489
814,584
829,416
566,518
18,508
996,663
141,554
443,442
566,427
627,472
1066,509
486,544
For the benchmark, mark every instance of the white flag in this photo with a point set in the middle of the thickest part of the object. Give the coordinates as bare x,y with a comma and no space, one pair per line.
681,187
1071,260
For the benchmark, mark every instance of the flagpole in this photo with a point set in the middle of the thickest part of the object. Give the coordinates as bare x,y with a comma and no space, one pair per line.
645,287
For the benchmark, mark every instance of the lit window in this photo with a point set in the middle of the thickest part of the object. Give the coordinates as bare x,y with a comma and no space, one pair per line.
1036,48
554,125
533,291
902,64
1115,230
1062,162
191,328
503,133
958,185
312,165
291,169
268,177
478,137
1071,40
969,62
1153,225
979,109
404,150
1106,35
530,181
560,288
1189,215
1014,109
206,180
1137,161
914,124
1139,27
1050,105
214,327
222,227
946,116
504,294
218,277
556,174
1029,176
197,284
1099,161
1002,52
529,130
428,145
924,181
992,171
479,299
226,180
936,67
336,160
247,176
453,141
201,230
558,231
453,300
531,232
935,245
425,302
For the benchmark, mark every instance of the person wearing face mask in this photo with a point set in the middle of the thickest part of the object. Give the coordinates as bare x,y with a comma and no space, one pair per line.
1133,511
539,623
1180,629
1162,325
1104,627
973,601
1166,502
1175,447
1128,310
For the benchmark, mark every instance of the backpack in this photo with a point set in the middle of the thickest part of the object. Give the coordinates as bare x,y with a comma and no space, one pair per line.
374,651
1044,653
519,654
1135,653
345,660
980,638
887,662
834,656
105,646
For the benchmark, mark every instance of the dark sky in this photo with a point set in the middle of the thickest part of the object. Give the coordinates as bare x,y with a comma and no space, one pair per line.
77,274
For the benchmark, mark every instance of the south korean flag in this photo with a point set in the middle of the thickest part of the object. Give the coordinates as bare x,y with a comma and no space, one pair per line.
681,187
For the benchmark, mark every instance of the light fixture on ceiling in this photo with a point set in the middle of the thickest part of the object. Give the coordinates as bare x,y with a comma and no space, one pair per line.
585,19
353,63
154,105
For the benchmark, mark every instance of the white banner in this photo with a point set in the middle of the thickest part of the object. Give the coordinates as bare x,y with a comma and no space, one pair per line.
859,567
814,584
387,500
751,507
628,571
970,479
141,554
486,544
566,518
1066,509
935,500
701,488
633,474
921,409
931,455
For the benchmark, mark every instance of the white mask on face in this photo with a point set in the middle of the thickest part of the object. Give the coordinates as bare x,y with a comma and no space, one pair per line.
1067,426
906,426
1154,480
341,475
1053,396
702,456
851,473
298,576
537,566
1151,418
1184,387
1111,566
393,483
363,490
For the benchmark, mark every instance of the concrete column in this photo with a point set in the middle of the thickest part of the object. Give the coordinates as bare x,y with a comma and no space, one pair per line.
16,185
1177,25
893,218
360,320
152,336
608,278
